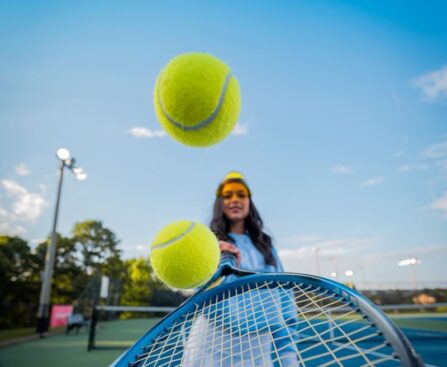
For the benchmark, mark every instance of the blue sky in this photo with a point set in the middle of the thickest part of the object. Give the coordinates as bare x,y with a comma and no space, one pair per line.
342,134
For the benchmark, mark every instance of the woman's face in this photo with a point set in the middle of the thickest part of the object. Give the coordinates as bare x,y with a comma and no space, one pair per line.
236,201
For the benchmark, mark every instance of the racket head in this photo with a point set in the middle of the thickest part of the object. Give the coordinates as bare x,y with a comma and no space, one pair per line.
307,320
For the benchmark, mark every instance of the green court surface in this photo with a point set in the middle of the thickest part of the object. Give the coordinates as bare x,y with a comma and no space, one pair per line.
71,350
16,333
422,321
428,335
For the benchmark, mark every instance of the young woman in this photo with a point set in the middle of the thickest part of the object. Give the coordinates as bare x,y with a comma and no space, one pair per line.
239,228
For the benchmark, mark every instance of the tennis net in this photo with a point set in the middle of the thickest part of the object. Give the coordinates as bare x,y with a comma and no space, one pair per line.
118,327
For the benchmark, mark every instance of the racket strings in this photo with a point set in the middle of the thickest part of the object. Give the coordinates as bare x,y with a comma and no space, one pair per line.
345,336
270,324
328,342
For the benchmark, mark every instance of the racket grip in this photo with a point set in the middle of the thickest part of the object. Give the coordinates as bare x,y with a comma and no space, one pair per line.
228,259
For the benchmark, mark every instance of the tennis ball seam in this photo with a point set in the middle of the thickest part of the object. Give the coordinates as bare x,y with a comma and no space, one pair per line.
187,254
175,239
200,124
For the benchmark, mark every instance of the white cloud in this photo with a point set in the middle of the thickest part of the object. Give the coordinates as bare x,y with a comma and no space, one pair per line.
135,251
142,132
414,167
3,211
428,249
36,241
342,170
442,164
303,258
351,253
404,168
399,154
6,227
436,151
434,155
404,253
433,85
22,170
440,204
13,188
300,239
373,181
9,230
26,206
240,129
330,247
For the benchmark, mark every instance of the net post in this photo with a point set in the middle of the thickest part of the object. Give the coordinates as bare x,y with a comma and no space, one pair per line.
92,332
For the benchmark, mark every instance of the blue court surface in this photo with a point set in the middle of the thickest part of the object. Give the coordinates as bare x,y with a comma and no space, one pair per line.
71,350
431,345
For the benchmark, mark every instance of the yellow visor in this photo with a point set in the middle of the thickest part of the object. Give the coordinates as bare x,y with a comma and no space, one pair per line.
231,189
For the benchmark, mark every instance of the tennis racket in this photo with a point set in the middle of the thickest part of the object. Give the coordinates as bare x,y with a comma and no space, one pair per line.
272,319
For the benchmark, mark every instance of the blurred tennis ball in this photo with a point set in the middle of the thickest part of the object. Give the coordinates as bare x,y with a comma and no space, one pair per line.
197,99
185,254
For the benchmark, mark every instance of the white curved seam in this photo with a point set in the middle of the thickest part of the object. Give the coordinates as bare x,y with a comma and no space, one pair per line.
203,123
171,241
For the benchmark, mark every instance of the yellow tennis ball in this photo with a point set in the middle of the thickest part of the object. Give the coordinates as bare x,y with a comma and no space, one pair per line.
197,99
185,254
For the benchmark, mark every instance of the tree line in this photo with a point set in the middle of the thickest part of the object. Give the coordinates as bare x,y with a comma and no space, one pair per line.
89,252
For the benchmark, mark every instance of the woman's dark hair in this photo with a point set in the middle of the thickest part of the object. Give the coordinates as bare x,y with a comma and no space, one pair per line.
220,225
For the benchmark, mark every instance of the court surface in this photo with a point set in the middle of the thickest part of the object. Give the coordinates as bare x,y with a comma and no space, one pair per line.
427,334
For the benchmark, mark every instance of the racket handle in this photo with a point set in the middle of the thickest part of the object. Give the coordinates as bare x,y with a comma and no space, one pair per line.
228,259
227,266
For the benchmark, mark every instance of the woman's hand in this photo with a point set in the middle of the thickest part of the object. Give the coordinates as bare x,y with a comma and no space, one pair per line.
229,247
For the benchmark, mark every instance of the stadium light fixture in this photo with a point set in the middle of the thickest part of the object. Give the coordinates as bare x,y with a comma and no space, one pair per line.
349,273
334,274
79,173
63,154
411,262
43,313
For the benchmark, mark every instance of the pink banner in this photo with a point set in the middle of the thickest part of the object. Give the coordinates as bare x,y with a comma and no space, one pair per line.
59,315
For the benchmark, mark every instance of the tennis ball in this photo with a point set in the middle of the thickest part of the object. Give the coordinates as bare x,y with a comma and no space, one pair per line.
185,254
197,99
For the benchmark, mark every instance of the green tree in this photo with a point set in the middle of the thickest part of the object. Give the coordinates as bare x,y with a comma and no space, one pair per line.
97,252
97,246
16,260
69,277
19,286
142,288
140,283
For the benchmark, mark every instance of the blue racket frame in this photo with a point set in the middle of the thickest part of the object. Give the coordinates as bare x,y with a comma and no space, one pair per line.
402,347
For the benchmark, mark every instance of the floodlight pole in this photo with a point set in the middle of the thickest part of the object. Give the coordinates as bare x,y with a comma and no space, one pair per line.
412,263
43,313
335,266
413,276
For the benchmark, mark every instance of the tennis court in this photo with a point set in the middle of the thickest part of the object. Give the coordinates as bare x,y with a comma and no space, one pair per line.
428,334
